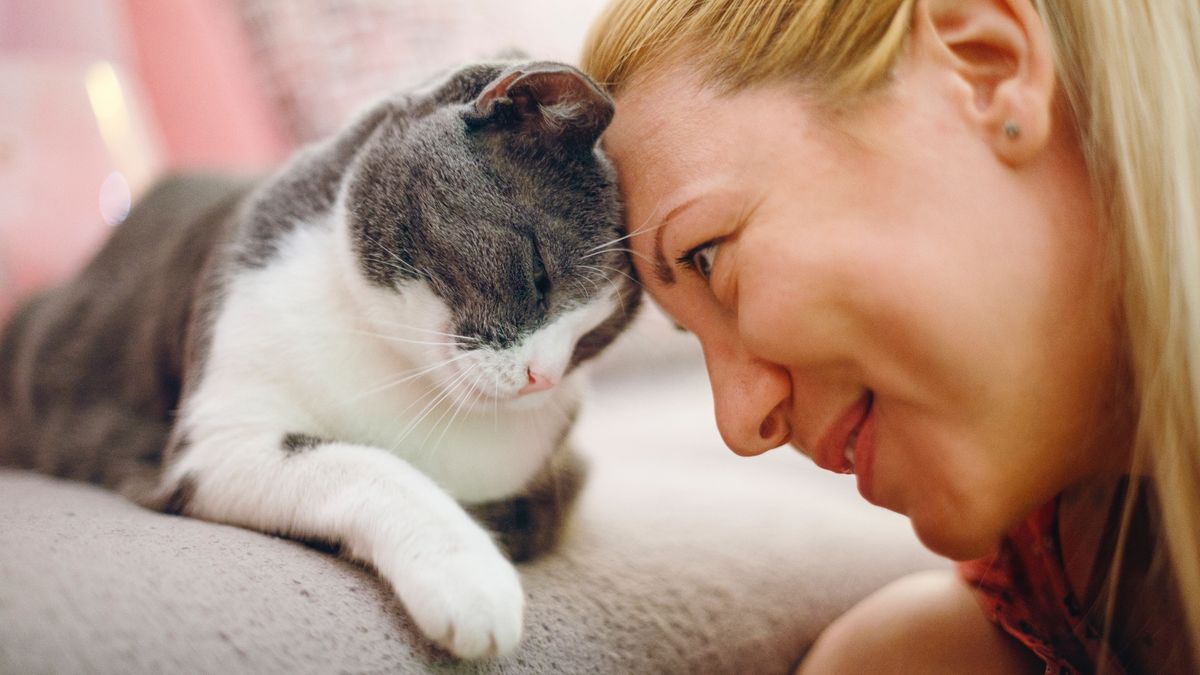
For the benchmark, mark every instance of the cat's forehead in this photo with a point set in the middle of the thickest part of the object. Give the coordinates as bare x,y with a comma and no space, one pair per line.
483,204
454,169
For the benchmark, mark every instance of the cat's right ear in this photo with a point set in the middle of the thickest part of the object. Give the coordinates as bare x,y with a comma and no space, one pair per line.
546,102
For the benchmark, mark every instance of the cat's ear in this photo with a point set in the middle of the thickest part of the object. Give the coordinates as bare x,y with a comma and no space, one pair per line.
549,102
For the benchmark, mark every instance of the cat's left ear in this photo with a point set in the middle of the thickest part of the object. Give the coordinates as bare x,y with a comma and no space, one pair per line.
548,102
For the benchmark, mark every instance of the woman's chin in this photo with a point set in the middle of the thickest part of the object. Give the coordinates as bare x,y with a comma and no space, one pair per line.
957,533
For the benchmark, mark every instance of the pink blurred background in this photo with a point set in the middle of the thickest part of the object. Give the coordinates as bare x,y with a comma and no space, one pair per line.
100,97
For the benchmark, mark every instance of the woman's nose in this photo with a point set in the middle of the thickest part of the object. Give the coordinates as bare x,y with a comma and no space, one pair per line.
751,398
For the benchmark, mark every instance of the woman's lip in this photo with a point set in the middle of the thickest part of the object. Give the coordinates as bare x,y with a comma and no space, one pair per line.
864,458
830,452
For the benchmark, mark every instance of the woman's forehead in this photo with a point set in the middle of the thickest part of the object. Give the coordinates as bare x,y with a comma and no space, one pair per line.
670,144
674,141
662,116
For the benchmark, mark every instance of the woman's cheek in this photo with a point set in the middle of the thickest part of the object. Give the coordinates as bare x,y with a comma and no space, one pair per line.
724,287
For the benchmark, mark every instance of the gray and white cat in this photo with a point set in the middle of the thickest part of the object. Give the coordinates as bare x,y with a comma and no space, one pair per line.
349,352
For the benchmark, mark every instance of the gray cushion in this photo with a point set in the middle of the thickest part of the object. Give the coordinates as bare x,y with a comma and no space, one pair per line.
682,558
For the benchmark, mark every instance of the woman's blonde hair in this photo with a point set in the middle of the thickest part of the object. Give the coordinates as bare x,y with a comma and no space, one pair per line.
1131,72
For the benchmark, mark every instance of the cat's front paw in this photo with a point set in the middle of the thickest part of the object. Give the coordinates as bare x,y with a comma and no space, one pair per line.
469,602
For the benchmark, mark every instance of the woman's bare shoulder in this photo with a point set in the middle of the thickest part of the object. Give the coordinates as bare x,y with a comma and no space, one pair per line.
923,623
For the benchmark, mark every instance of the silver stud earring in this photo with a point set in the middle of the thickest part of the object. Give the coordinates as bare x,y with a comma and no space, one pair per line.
1012,129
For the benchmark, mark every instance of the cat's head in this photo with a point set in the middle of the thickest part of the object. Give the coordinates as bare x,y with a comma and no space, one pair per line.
487,227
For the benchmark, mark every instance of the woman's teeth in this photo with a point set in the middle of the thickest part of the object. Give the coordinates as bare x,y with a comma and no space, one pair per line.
851,443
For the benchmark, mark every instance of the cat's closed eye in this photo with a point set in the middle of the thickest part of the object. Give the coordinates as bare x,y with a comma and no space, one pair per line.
541,281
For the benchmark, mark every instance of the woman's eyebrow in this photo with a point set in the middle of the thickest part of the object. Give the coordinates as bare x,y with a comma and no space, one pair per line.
662,269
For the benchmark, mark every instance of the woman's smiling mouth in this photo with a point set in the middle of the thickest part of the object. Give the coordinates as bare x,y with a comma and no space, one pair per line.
840,446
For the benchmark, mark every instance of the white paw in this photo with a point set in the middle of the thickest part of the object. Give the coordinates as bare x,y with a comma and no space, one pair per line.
470,602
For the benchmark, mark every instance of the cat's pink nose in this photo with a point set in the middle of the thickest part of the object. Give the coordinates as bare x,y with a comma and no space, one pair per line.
537,382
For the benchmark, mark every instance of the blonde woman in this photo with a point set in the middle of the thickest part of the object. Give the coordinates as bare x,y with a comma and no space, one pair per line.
954,248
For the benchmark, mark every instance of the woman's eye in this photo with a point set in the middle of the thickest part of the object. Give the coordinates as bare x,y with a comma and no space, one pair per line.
703,259
700,258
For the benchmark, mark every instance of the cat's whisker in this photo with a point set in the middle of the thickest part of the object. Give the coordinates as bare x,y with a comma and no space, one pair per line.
632,230
407,269
393,338
403,268
457,391
597,289
392,324
459,404
397,259
402,377
456,405
454,339
620,296
336,330
426,395
582,290
432,405
496,409
429,398
612,242
621,301
429,394
623,249
412,426
603,269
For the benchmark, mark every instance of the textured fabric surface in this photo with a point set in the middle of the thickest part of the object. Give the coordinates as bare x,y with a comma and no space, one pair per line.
682,558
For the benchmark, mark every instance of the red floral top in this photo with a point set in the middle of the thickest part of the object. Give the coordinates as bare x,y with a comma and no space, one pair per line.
1023,587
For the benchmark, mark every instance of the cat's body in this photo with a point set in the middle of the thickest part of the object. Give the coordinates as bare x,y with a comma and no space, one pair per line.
348,351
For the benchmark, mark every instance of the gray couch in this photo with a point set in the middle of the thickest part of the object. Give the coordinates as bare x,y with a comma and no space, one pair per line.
682,558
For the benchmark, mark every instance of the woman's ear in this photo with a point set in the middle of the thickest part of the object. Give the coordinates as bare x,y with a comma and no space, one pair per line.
1001,52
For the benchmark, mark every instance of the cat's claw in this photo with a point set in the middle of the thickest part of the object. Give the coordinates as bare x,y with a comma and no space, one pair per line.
471,604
